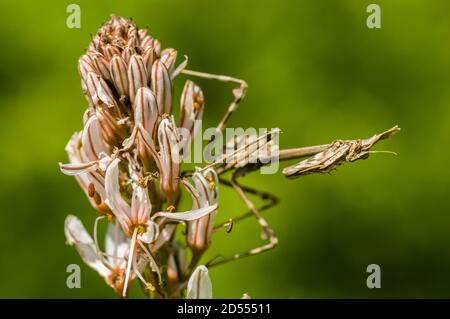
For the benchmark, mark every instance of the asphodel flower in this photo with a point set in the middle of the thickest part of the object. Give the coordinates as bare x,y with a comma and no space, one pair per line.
205,193
192,105
127,158
199,285
135,218
111,264
88,161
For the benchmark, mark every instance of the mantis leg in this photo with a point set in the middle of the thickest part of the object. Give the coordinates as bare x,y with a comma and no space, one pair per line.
239,93
267,232
272,201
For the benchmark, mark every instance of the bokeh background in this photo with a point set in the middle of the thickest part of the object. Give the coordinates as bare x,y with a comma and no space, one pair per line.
314,70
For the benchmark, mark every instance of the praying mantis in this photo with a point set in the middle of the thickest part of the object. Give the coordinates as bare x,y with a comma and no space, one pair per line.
322,159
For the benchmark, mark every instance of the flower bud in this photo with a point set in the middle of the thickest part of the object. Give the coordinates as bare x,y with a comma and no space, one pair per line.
192,104
168,57
113,132
199,231
170,159
119,75
137,75
162,87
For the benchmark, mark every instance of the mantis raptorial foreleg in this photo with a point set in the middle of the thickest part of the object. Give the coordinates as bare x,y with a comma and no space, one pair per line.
272,201
267,232
239,93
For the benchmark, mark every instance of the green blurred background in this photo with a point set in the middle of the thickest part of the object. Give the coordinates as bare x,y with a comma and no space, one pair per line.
314,70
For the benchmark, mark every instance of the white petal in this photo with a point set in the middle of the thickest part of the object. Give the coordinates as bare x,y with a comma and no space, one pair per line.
104,93
92,139
199,285
146,139
77,236
104,162
118,205
152,233
73,169
189,215
117,245
140,205
73,148
208,194
196,197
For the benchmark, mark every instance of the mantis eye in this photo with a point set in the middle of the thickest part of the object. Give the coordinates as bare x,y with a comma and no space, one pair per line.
364,156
